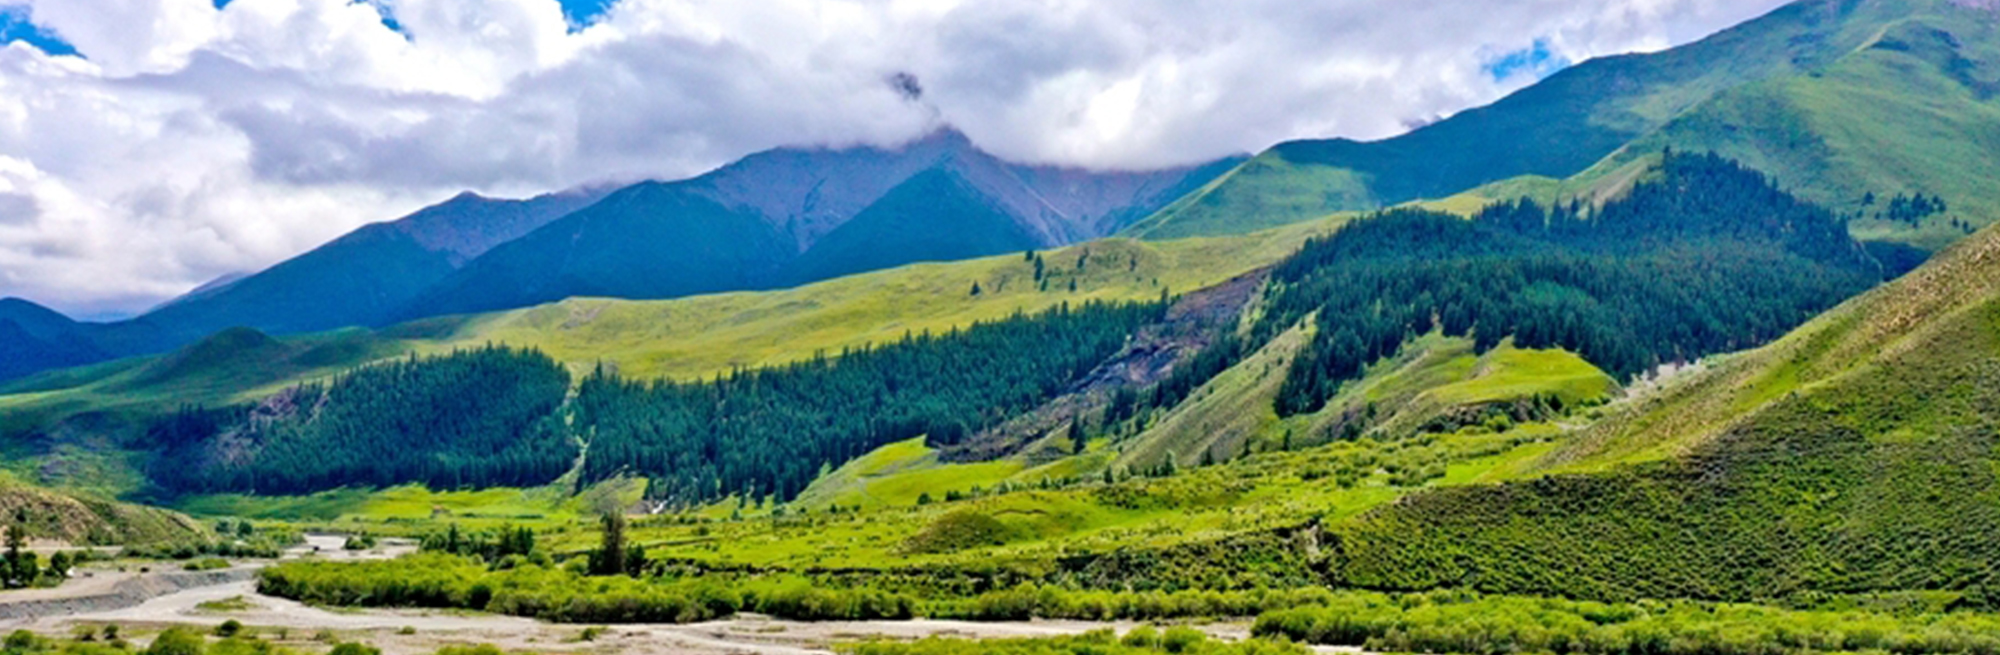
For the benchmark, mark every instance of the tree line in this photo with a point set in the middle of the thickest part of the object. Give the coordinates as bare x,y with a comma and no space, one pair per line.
759,433
473,418
497,416
1709,257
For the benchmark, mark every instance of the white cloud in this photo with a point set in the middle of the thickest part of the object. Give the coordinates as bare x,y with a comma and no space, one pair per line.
196,141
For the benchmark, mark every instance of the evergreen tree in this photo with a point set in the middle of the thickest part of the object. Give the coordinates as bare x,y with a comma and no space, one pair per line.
611,553
1709,258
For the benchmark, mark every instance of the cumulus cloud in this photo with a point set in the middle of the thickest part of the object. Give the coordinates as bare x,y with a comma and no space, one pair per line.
189,141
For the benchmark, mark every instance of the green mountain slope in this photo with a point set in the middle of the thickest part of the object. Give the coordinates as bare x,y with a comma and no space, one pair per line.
934,216
796,215
650,240
1795,91
365,276
1855,455
84,519
37,338
1911,110
70,413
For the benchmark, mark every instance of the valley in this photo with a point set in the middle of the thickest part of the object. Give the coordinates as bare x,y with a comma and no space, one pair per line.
1688,352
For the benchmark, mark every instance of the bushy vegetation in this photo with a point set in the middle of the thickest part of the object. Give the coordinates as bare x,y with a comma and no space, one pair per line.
771,432
471,418
1708,258
261,548
23,568
1139,641
487,545
1884,480
1490,625
565,595
1038,601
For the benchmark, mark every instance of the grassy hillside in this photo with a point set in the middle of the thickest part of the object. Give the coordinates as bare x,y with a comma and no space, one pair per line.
1555,129
699,337
88,519
1436,384
65,424
1909,110
1265,192
1855,455
1226,416
934,216
229,366
415,510
1835,99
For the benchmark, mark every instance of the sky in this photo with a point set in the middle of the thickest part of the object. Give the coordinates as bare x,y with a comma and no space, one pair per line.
148,146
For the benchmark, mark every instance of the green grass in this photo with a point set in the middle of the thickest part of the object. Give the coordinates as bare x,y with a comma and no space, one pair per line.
84,518
1689,412
685,338
1265,491
228,367
1263,193
1885,119
700,337
1509,373
230,604
896,475
1873,100
413,509
1854,455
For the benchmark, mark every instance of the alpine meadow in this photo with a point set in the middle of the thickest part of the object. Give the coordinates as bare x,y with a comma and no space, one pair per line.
1685,342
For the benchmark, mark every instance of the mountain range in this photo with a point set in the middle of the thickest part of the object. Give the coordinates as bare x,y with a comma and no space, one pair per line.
1838,99
1658,355
1843,102
777,218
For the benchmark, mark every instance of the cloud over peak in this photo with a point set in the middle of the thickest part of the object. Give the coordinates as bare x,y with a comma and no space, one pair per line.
189,140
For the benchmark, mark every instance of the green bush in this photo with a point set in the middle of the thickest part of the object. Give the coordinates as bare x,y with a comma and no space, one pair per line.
355,648
566,596
177,641
1497,625
1140,641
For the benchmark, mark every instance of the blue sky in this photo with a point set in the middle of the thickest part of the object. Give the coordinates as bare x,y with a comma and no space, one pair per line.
1539,60
16,25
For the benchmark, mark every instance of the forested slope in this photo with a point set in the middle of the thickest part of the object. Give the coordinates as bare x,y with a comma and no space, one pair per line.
1709,257
1856,455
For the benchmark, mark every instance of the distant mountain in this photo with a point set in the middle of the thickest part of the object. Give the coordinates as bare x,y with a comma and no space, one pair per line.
361,279
1828,95
364,277
743,226
796,215
936,215
650,240
35,338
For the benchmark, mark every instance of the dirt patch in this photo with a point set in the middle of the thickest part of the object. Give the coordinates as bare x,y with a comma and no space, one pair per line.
1194,322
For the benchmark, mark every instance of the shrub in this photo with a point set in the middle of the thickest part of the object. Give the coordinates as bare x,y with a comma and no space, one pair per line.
177,641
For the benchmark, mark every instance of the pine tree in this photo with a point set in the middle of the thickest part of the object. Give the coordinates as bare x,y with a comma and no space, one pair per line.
612,551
